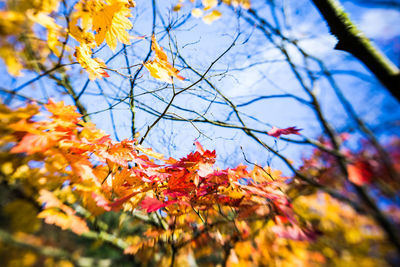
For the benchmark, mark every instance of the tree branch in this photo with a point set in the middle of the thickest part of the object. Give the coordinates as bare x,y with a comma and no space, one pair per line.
352,40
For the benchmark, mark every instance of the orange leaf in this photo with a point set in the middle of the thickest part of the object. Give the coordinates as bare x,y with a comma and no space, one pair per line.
360,172
32,143
160,68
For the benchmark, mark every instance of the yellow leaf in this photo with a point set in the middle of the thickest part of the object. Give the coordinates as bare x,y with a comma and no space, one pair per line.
243,3
83,36
109,19
177,7
159,71
11,22
197,12
111,23
208,4
160,54
57,213
43,19
150,152
10,57
53,29
160,68
213,16
7,168
94,66
72,222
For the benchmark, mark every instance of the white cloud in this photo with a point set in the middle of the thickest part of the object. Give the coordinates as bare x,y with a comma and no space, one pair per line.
380,23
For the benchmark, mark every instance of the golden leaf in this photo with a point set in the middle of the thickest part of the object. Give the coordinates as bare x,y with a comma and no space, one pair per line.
160,68
111,23
57,213
243,3
94,66
150,152
10,57
208,4
11,22
83,36
197,12
211,17
65,221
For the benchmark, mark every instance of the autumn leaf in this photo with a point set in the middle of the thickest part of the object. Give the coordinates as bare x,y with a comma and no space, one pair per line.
108,19
151,204
211,17
208,4
112,22
53,29
159,67
94,66
243,3
197,12
150,152
32,143
115,205
199,147
82,35
360,172
277,132
63,112
293,232
57,213
64,221
11,59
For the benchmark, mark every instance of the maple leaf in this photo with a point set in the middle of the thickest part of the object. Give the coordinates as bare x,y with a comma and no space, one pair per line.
243,3
208,4
293,232
111,23
11,59
94,66
197,12
360,172
61,111
150,152
108,18
152,204
57,213
159,67
75,223
83,36
54,30
32,143
83,169
199,147
277,132
116,205
211,17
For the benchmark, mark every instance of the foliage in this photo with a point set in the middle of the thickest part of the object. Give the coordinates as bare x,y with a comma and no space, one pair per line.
71,195
240,217
79,165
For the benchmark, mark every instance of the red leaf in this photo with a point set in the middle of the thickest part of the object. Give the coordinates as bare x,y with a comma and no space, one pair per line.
293,232
152,204
101,201
277,132
360,172
115,205
102,140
